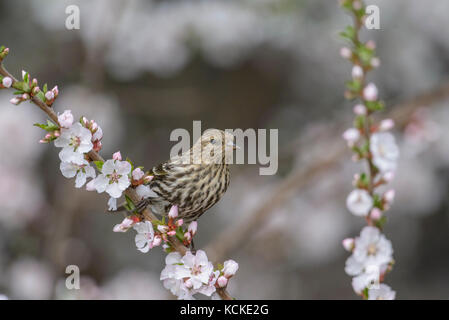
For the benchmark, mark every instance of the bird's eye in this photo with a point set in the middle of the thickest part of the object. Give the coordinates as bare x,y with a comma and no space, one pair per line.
212,140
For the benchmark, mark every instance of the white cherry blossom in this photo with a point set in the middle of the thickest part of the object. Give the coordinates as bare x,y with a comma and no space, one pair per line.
359,202
145,236
66,119
113,178
384,292
75,141
384,150
82,171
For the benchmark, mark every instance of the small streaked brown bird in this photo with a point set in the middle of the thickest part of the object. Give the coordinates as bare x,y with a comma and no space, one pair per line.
194,180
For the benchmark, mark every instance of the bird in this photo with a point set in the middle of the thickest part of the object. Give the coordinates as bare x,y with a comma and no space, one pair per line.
193,181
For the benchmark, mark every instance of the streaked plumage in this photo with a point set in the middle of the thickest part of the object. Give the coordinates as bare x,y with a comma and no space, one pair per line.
195,180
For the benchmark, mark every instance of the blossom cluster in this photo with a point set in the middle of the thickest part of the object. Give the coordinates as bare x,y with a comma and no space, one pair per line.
192,273
373,143
28,88
152,234
183,276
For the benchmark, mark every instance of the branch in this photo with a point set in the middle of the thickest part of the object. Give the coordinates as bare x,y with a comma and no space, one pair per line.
176,244
233,236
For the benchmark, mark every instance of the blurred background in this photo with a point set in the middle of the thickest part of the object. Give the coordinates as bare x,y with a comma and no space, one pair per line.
144,68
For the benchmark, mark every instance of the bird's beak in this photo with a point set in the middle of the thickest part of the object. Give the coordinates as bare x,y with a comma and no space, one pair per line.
233,145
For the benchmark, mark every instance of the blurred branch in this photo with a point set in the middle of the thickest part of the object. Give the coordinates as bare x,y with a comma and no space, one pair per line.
130,192
232,237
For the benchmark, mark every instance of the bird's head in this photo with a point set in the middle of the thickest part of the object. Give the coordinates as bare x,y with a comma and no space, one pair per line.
216,146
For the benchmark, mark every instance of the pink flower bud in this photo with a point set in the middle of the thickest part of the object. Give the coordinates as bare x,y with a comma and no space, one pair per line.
36,90
179,222
351,135
43,141
370,92
15,100
371,44
357,72
98,134
355,179
360,109
124,226
6,50
55,91
49,95
376,214
346,53
357,5
7,82
230,268
157,241
348,244
222,281
34,82
97,146
57,133
386,125
65,119
375,62
171,233
188,236
25,96
193,226
173,213
117,156
162,229
389,196
138,174
388,176
148,179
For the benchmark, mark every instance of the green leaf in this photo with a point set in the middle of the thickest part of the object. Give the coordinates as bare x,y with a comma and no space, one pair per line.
50,126
130,204
347,4
353,85
45,88
349,33
377,201
381,222
99,164
359,122
365,54
41,95
130,162
180,234
375,105
19,86
365,293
